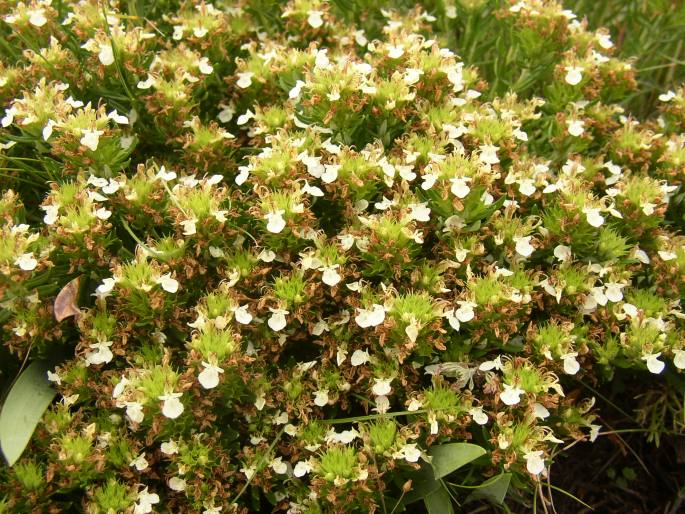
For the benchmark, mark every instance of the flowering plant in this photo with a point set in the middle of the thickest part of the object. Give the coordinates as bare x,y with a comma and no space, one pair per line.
311,258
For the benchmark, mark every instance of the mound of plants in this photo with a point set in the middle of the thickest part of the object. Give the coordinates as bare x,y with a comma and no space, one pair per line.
319,257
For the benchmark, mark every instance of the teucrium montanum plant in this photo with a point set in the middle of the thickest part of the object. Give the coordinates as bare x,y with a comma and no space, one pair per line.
314,245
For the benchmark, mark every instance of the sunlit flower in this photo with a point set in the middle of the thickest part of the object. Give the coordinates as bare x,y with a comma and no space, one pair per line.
535,464
381,386
654,365
370,317
209,376
172,406
574,74
511,395
275,221
26,262
277,320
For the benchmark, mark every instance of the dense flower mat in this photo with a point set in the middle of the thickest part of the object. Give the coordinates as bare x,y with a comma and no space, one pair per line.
298,250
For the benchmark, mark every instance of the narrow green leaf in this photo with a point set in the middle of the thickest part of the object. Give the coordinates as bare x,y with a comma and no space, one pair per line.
449,457
439,502
24,406
493,490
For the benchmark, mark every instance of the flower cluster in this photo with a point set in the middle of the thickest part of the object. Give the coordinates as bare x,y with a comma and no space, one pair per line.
308,254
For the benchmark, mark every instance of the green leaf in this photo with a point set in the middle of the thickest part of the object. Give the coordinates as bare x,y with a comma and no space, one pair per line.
449,457
26,402
438,502
493,490
423,484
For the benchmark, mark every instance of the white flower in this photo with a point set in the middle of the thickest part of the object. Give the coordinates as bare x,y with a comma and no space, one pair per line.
147,83
412,331
666,255
419,211
576,127
242,315
679,359
169,447
276,222
571,365
296,90
267,256
279,466
520,134
667,97
414,405
106,286
527,187
91,138
412,75
490,365
478,415
145,502
330,173
594,432
118,118
654,365
330,276
102,353
204,66
523,246
511,395
177,484
169,284
26,262
51,214
562,252
452,319
106,55
134,412
630,310
209,377
488,154
260,402
54,378
312,190
535,464
172,406
574,74
593,216
244,79
382,405
47,129
315,19
409,452
244,118
429,180
302,468
465,312
340,354
360,357
277,320
140,462
381,386
344,437
613,291
321,398
37,17
604,41
370,318
395,52
540,411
